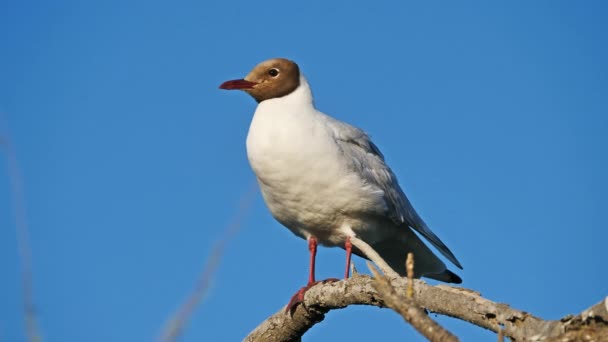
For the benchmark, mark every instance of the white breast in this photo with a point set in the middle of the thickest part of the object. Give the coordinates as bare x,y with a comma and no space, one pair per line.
300,169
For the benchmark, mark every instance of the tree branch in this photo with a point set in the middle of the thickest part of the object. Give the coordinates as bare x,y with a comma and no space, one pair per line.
459,303
408,308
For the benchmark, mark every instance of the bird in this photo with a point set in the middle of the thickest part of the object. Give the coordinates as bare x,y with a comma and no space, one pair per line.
326,181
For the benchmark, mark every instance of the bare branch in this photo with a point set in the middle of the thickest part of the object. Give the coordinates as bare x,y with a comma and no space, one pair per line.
409,309
176,324
372,255
459,303
590,325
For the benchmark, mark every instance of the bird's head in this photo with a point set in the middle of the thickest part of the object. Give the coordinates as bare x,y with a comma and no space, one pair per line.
273,78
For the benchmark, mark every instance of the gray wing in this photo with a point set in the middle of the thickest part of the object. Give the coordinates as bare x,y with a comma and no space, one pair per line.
368,162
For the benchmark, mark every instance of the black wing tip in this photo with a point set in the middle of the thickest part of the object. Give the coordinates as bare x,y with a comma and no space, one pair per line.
428,234
454,278
448,254
446,276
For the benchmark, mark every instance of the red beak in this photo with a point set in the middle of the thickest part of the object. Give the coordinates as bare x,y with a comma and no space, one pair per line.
237,84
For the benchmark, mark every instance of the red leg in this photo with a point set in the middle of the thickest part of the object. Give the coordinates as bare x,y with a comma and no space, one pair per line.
299,296
312,247
349,250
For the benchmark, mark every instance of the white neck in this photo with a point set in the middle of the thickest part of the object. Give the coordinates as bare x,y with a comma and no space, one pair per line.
301,96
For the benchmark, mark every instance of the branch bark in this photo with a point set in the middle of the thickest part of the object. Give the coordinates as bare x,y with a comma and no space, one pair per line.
455,302
407,307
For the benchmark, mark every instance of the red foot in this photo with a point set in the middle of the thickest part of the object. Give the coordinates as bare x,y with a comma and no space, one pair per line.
298,297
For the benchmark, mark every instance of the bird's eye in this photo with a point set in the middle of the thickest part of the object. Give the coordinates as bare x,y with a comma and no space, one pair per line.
273,72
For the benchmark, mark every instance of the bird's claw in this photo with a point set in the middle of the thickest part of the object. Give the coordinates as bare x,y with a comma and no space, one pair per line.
298,297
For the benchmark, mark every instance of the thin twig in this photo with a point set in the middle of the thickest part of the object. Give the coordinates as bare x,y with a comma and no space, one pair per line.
372,255
409,267
409,309
176,324
23,239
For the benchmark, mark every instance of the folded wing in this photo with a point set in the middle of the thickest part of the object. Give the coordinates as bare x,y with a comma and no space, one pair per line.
366,159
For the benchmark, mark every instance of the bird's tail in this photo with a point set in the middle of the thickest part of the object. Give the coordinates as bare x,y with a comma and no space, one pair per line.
426,264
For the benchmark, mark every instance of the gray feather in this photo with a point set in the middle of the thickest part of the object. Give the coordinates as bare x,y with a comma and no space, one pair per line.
367,160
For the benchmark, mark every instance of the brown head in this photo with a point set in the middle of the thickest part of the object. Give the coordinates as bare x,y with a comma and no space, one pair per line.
273,78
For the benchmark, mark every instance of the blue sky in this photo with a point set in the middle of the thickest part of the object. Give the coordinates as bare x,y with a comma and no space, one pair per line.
492,114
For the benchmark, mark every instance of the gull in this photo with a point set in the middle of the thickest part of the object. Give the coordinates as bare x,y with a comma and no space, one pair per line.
326,181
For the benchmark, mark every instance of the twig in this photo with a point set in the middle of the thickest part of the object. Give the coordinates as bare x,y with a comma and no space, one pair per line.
409,309
23,240
176,324
372,255
409,267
